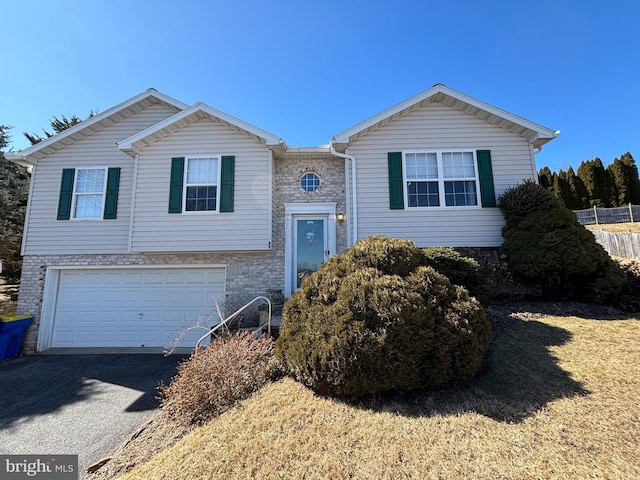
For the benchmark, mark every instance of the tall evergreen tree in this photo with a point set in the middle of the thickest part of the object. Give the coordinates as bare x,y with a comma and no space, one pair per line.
616,185
14,190
560,187
545,179
632,173
619,181
577,196
594,177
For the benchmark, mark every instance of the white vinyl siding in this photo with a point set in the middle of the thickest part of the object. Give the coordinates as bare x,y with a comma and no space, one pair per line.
45,234
436,127
248,227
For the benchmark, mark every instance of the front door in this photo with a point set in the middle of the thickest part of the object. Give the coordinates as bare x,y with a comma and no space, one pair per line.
310,246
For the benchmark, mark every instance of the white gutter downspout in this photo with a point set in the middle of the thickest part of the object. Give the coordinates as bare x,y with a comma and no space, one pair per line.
534,152
354,210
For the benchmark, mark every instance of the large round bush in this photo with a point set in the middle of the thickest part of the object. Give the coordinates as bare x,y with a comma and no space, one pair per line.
378,318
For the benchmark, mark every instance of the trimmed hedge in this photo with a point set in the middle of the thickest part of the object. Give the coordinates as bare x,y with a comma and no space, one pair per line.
460,270
379,318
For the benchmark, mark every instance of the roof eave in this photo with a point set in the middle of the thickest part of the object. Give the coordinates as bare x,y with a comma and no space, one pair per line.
19,159
70,135
133,144
455,99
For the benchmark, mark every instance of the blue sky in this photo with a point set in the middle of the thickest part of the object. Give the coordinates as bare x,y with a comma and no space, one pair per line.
307,70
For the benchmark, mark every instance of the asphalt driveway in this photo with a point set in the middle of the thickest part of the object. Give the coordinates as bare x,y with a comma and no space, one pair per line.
78,404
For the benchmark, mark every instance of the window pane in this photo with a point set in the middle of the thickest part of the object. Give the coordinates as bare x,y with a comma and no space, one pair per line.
201,199
423,194
421,165
468,165
88,206
411,165
460,193
202,171
310,182
90,180
458,165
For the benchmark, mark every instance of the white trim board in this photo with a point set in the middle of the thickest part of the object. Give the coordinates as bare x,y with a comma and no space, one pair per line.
292,210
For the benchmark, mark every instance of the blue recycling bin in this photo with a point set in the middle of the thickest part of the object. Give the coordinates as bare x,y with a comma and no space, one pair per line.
12,330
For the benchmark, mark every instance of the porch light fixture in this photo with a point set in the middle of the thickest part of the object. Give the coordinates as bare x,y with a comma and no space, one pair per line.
340,218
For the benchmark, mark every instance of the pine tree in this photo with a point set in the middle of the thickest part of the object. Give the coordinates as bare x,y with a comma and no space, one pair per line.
14,190
560,187
545,178
617,185
545,244
594,178
58,125
619,181
632,173
577,196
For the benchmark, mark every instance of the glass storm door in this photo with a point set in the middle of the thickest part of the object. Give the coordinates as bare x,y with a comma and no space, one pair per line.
310,250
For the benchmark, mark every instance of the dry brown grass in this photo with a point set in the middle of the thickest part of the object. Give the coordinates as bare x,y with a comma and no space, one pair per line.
616,227
558,399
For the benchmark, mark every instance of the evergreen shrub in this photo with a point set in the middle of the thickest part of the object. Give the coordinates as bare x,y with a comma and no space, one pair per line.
544,244
630,298
460,270
378,318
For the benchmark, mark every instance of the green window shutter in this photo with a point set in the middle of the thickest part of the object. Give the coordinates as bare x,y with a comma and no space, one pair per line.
66,193
485,173
396,195
111,197
176,184
227,175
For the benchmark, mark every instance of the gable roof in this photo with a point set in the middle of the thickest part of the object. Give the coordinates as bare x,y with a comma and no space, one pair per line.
29,156
198,111
537,135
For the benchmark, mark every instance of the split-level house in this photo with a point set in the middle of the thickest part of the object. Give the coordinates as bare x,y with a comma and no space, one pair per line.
144,217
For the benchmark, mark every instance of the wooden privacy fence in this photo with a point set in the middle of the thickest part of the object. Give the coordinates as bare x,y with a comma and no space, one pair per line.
622,244
597,216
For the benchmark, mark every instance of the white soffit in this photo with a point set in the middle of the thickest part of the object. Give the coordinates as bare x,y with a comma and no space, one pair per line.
91,125
536,134
190,115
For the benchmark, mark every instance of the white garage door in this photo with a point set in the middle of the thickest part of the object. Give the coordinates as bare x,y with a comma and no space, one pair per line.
133,307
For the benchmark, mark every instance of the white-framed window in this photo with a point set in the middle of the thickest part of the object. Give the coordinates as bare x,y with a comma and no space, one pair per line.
201,184
441,179
88,193
310,182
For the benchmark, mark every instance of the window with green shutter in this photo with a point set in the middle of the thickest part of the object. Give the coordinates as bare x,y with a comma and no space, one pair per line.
202,184
227,177
436,178
89,193
66,194
485,173
396,195
111,194
176,185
